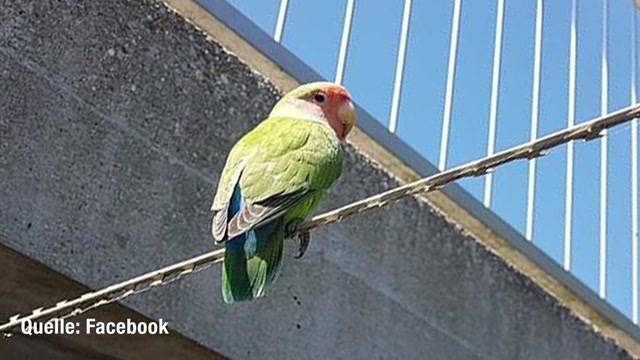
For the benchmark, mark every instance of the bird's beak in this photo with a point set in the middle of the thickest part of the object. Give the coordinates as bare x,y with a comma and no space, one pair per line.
347,115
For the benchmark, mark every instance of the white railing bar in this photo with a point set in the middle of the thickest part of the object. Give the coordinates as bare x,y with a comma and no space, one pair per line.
495,89
282,17
634,174
535,104
604,101
571,120
451,73
402,49
344,41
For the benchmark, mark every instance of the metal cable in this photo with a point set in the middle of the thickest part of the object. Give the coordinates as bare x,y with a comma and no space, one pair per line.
587,130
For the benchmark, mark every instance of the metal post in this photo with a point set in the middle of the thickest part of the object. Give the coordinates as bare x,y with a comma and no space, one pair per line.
344,41
535,104
571,120
451,74
402,50
634,174
282,16
495,89
604,101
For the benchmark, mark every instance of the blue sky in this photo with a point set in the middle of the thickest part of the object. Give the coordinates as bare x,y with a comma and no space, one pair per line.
313,31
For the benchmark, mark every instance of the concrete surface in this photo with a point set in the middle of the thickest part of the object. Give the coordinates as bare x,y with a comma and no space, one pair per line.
115,119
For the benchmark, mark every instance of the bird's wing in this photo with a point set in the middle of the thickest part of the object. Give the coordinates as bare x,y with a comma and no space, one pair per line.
285,164
236,160
254,215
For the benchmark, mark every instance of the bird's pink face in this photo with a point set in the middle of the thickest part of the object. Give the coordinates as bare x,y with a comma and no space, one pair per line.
335,103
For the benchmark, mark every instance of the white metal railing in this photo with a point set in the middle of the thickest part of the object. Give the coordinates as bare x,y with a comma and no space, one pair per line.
451,74
571,120
535,113
634,174
604,104
495,87
282,16
402,50
344,41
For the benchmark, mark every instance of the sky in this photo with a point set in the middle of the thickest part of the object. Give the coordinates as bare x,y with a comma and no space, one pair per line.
312,31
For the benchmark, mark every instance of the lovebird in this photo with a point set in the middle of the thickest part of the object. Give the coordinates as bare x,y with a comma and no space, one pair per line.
274,177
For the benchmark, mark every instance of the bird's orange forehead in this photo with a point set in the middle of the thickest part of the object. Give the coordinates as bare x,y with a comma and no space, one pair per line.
337,91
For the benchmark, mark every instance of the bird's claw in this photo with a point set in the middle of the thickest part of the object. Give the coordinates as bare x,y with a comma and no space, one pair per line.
303,237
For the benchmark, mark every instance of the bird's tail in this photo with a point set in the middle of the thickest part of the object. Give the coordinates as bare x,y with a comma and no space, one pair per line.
252,262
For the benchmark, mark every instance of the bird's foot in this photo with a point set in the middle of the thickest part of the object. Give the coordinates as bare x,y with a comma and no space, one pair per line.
303,237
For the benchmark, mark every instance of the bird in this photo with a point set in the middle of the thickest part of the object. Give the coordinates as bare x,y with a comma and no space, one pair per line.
273,179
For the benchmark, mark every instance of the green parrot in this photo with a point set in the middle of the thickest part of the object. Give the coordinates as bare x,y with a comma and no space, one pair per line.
274,177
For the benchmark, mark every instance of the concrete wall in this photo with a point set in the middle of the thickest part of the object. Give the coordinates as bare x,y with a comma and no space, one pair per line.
115,119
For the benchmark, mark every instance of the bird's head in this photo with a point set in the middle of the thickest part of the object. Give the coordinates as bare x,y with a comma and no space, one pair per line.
319,101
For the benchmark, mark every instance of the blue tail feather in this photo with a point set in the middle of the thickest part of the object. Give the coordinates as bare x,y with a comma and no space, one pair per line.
252,259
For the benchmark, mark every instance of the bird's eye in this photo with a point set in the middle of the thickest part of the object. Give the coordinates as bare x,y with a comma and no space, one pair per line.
319,97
